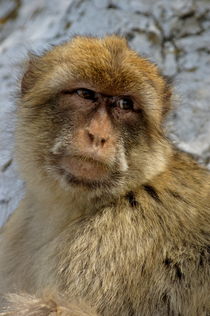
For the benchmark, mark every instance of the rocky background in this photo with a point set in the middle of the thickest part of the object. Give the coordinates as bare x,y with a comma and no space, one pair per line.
175,34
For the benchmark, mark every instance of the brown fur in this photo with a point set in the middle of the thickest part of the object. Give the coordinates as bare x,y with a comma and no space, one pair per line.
24,304
137,245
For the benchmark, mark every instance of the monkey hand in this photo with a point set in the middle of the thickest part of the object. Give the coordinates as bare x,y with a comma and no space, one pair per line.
28,305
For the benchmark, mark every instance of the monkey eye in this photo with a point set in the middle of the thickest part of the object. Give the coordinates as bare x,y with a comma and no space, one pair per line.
125,103
86,94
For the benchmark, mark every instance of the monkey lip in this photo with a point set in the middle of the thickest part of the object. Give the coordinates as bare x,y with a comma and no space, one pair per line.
84,168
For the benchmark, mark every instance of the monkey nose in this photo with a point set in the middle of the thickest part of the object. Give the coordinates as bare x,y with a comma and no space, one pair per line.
96,140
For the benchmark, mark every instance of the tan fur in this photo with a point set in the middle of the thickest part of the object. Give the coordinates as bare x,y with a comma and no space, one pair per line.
24,304
139,245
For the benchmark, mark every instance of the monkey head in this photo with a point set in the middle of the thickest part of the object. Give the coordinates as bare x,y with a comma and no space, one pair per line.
90,115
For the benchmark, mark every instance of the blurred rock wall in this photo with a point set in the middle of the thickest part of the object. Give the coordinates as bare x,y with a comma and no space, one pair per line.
175,34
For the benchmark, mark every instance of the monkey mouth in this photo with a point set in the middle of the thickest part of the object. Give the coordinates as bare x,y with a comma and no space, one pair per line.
84,169
88,173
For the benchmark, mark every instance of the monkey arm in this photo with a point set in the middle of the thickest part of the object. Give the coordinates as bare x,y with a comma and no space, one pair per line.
47,305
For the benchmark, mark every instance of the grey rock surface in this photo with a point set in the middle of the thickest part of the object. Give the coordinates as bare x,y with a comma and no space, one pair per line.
174,34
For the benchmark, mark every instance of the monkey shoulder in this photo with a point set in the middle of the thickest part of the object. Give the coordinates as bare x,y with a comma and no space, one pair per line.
174,210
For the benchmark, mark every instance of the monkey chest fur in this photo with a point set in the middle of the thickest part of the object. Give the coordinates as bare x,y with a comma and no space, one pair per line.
126,262
127,259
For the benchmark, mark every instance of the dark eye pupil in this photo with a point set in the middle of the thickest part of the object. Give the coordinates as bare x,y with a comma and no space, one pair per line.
125,104
86,94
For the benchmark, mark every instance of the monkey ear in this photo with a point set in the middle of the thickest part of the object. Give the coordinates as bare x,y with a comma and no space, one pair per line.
30,74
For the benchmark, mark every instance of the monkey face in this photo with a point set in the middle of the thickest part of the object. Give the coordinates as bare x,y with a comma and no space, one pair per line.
94,154
95,111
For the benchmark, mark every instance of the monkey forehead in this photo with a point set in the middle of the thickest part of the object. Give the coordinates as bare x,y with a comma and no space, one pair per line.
106,63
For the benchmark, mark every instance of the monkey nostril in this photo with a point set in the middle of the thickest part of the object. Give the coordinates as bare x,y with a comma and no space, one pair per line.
103,140
91,136
96,140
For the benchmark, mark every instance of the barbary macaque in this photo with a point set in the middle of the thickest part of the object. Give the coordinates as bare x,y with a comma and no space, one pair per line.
114,216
